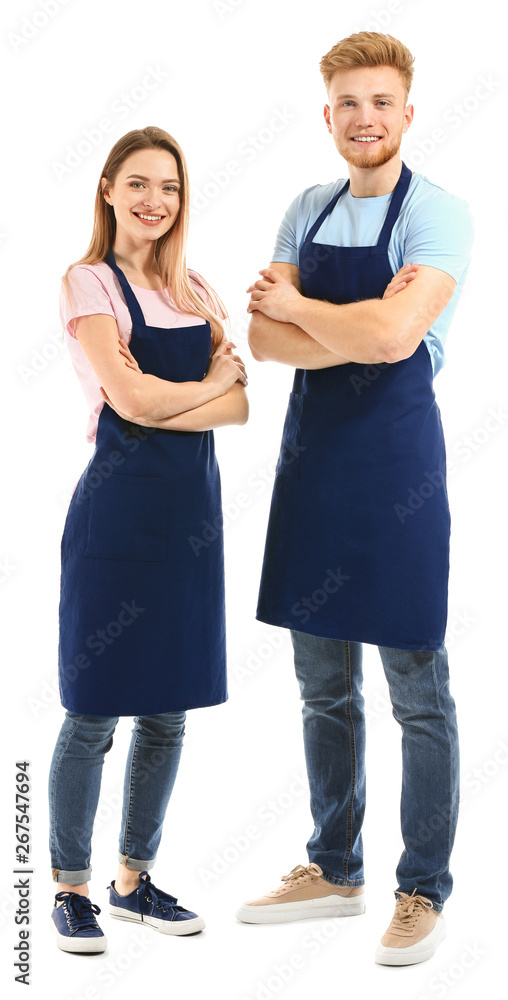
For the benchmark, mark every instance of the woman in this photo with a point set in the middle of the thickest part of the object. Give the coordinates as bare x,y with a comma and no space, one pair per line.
142,622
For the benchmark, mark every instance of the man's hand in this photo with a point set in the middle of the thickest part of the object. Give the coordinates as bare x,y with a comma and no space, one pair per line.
400,280
274,295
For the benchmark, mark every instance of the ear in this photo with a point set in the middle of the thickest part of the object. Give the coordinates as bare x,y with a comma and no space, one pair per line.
408,117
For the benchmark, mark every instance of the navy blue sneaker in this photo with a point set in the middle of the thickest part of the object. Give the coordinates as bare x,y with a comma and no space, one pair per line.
148,905
75,926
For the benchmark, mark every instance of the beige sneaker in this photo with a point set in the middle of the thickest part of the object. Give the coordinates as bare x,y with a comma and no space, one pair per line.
414,933
304,894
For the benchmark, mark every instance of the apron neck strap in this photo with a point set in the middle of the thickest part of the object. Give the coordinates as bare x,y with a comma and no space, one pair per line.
326,211
131,300
399,193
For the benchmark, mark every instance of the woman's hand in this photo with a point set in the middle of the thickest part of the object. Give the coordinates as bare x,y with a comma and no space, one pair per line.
130,360
225,368
400,280
274,295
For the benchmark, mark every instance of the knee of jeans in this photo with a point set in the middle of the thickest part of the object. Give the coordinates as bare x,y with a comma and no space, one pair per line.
169,727
326,678
92,735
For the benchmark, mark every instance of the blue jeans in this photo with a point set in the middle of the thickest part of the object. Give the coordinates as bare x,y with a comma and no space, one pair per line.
75,781
329,673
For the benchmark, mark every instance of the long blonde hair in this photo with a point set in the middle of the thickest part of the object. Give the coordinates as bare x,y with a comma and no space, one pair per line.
170,249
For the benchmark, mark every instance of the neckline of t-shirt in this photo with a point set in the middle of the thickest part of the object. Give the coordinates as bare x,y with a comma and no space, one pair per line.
378,198
143,289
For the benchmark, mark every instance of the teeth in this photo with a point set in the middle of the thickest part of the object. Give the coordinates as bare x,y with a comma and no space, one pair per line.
366,138
151,218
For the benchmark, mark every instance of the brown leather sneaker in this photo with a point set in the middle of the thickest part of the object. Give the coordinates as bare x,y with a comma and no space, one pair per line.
304,894
414,933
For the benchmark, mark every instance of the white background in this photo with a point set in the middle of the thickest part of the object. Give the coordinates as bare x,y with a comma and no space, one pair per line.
224,71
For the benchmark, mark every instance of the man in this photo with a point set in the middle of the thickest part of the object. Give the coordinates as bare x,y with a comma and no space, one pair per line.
357,547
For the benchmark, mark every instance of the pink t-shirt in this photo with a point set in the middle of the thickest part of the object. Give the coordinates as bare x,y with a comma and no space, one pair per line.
96,289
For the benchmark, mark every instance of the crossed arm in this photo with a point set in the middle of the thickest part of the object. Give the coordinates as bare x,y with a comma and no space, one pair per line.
286,327
308,333
218,399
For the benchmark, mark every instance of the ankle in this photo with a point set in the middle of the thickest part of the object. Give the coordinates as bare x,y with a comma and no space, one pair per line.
126,880
124,890
82,890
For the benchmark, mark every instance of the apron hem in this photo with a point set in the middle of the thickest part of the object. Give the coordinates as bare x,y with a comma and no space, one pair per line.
326,634
164,711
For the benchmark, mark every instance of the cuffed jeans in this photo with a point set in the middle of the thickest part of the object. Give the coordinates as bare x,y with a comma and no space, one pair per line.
74,787
329,673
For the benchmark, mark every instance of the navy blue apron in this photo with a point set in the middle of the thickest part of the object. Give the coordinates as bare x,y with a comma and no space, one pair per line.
142,603
357,544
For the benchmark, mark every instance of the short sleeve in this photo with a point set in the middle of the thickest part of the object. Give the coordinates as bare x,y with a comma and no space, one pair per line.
286,247
440,234
88,296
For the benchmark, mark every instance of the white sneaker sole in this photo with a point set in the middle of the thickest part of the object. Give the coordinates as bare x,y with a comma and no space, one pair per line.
78,944
415,953
177,927
280,913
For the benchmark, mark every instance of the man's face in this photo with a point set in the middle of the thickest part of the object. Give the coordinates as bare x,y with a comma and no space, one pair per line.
367,114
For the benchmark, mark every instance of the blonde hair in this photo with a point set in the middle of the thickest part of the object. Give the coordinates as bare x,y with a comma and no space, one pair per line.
170,249
369,48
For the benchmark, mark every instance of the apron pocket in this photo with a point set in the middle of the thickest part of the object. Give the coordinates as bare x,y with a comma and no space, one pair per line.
128,518
289,458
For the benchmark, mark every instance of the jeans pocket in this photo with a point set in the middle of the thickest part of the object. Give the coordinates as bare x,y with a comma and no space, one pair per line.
128,518
288,463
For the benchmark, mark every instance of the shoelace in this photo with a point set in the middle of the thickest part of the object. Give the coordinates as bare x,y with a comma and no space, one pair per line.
161,900
408,909
80,909
300,872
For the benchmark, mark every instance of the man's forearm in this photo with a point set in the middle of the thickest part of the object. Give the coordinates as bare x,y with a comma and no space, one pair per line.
230,408
357,329
377,330
369,331
270,340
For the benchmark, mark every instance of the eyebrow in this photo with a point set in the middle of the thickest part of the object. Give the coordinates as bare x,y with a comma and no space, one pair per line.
172,180
342,96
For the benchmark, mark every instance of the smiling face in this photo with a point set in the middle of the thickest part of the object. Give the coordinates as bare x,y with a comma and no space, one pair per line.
367,114
145,195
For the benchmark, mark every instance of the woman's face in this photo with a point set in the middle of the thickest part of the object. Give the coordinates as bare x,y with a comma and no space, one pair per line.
147,184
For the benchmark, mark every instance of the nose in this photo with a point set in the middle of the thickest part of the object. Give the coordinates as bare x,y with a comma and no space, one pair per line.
151,199
365,117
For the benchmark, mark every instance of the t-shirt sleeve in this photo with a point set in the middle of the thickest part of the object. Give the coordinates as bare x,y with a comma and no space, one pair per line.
286,245
88,296
440,234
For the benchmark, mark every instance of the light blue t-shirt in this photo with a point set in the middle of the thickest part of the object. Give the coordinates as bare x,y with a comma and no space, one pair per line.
433,228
